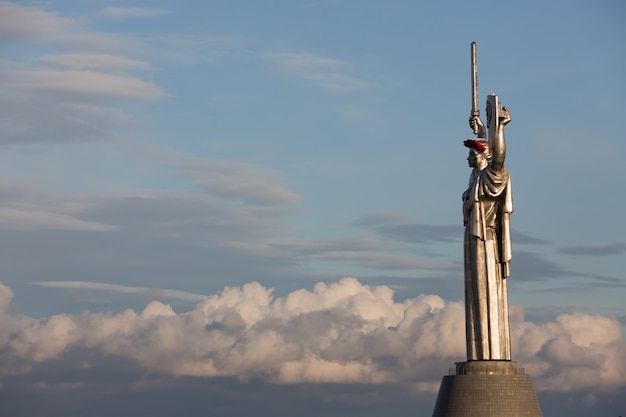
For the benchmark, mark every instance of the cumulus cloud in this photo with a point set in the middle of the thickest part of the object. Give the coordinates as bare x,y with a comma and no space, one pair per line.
576,351
343,332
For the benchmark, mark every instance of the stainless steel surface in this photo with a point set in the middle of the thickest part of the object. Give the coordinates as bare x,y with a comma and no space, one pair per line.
489,383
487,205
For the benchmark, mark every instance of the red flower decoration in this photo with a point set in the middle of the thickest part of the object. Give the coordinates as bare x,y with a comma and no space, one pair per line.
472,143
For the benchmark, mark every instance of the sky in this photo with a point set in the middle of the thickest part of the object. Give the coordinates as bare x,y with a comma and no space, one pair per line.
228,207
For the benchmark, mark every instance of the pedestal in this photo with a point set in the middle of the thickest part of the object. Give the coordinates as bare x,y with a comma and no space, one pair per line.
487,389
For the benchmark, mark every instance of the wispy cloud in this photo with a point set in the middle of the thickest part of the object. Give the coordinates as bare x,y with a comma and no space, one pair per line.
154,293
246,182
90,84
33,219
523,238
421,233
385,261
616,248
241,181
381,219
65,97
123,13
211,216
82,61
36,24
19,22
293,247
364,251
533,266
23,207
329,73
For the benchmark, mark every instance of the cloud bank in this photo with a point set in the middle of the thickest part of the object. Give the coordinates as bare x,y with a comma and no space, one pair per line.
343,332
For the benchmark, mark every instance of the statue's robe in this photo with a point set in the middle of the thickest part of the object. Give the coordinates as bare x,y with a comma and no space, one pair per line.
487,205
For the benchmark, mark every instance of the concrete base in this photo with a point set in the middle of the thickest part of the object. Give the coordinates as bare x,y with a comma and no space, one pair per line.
487,389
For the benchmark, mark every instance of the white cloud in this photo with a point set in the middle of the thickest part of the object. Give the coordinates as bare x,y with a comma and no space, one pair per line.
577,351
344,332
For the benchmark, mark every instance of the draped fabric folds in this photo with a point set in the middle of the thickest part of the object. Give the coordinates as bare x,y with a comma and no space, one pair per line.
487,206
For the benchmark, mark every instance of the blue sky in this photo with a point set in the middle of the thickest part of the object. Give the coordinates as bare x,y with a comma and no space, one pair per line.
160,152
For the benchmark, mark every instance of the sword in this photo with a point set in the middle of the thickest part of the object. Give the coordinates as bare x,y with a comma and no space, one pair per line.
475,110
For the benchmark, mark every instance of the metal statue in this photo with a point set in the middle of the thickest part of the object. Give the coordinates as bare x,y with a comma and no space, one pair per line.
487,205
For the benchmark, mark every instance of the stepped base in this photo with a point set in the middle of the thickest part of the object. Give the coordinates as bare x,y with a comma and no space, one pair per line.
487,389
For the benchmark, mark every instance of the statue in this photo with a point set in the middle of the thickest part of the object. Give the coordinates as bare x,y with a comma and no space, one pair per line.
487,205
489,383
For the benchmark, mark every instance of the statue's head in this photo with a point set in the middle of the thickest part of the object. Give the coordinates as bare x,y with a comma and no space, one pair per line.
479,153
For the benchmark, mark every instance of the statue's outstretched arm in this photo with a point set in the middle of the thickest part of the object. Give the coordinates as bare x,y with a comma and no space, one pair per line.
498,147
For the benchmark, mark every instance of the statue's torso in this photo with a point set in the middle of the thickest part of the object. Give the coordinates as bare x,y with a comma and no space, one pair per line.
484,194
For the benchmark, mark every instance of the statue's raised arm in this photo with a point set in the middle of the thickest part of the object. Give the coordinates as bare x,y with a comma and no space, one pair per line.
498,116
498,148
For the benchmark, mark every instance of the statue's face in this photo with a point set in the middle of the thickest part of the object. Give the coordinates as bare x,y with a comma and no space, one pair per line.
475,158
